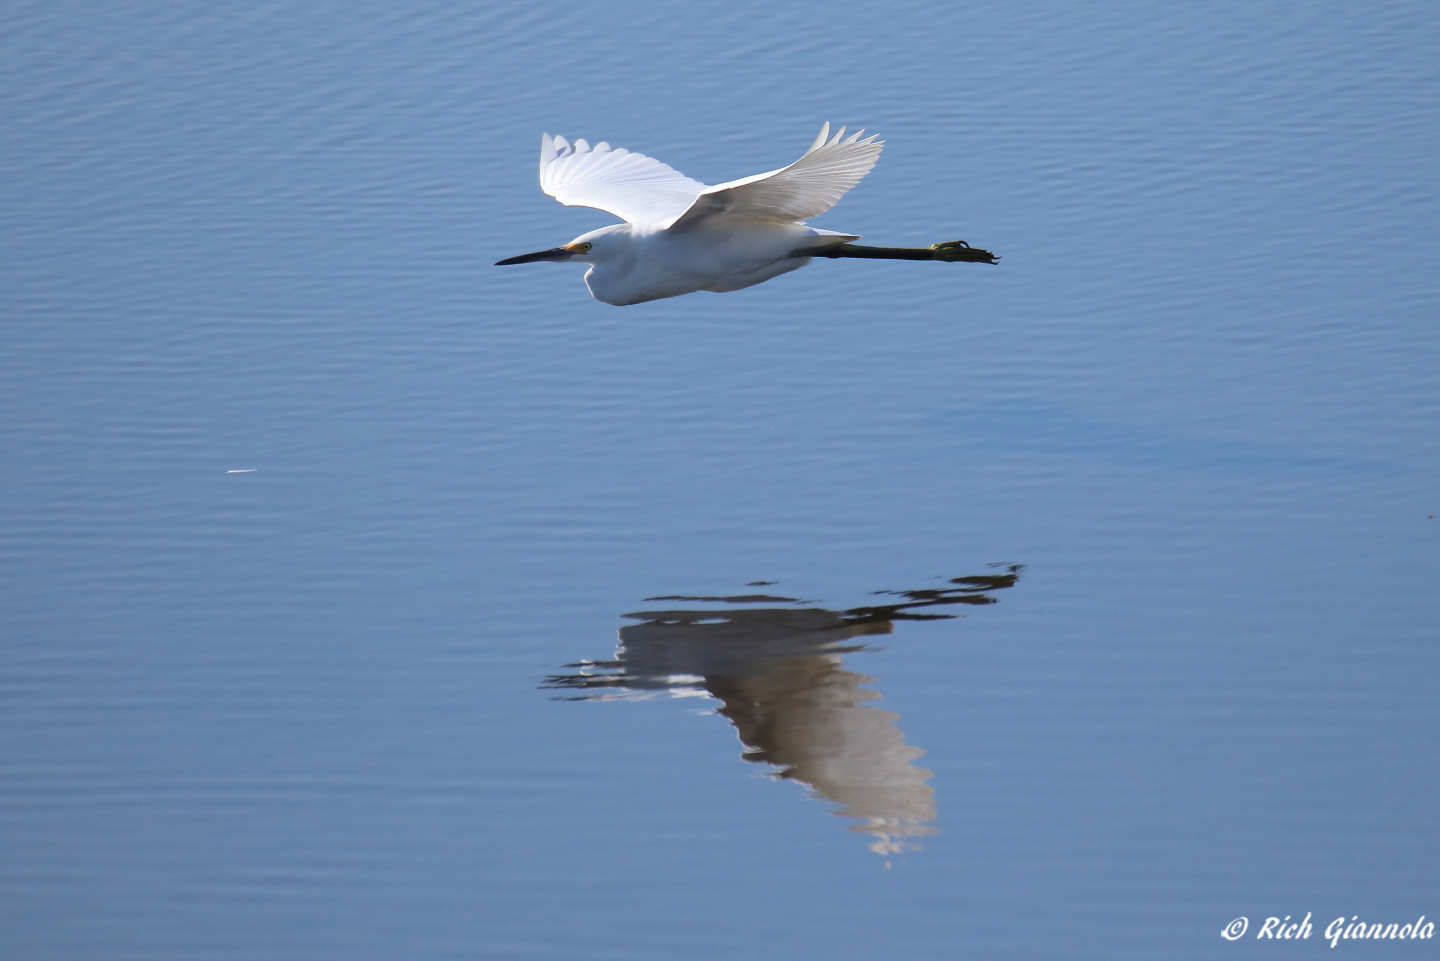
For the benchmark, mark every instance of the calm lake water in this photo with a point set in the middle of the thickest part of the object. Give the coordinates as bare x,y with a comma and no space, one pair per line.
366,601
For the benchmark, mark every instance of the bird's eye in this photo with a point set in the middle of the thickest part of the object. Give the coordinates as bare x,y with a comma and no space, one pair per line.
585,248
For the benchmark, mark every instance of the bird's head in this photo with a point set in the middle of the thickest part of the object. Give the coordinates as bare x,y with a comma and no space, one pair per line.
591,248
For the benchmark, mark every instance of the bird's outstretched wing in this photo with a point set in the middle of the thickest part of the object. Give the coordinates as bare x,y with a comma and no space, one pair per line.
807,188
637,188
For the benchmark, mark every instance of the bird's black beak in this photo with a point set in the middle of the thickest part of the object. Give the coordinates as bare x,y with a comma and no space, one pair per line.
554,253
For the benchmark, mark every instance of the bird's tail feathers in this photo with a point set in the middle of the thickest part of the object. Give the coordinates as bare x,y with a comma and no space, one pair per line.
824,238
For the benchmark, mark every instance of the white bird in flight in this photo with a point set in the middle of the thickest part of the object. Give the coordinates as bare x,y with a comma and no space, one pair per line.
681,236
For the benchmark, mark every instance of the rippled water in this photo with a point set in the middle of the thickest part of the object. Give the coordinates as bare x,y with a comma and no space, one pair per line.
319,530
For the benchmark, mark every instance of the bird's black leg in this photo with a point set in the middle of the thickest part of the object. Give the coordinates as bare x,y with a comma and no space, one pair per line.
951,251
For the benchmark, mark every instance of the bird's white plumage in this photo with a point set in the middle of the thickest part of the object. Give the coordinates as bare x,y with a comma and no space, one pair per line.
807,188
682,236
632,186
649,194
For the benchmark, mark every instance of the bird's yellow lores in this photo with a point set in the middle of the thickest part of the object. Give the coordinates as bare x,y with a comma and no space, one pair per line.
681,236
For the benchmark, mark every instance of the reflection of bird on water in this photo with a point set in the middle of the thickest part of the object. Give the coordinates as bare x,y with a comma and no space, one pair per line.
682,236
780,678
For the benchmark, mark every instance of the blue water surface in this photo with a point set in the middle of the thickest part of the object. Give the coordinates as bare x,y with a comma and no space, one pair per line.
307,507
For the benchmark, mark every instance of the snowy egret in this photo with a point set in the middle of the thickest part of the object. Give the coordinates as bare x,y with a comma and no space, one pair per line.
681,236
